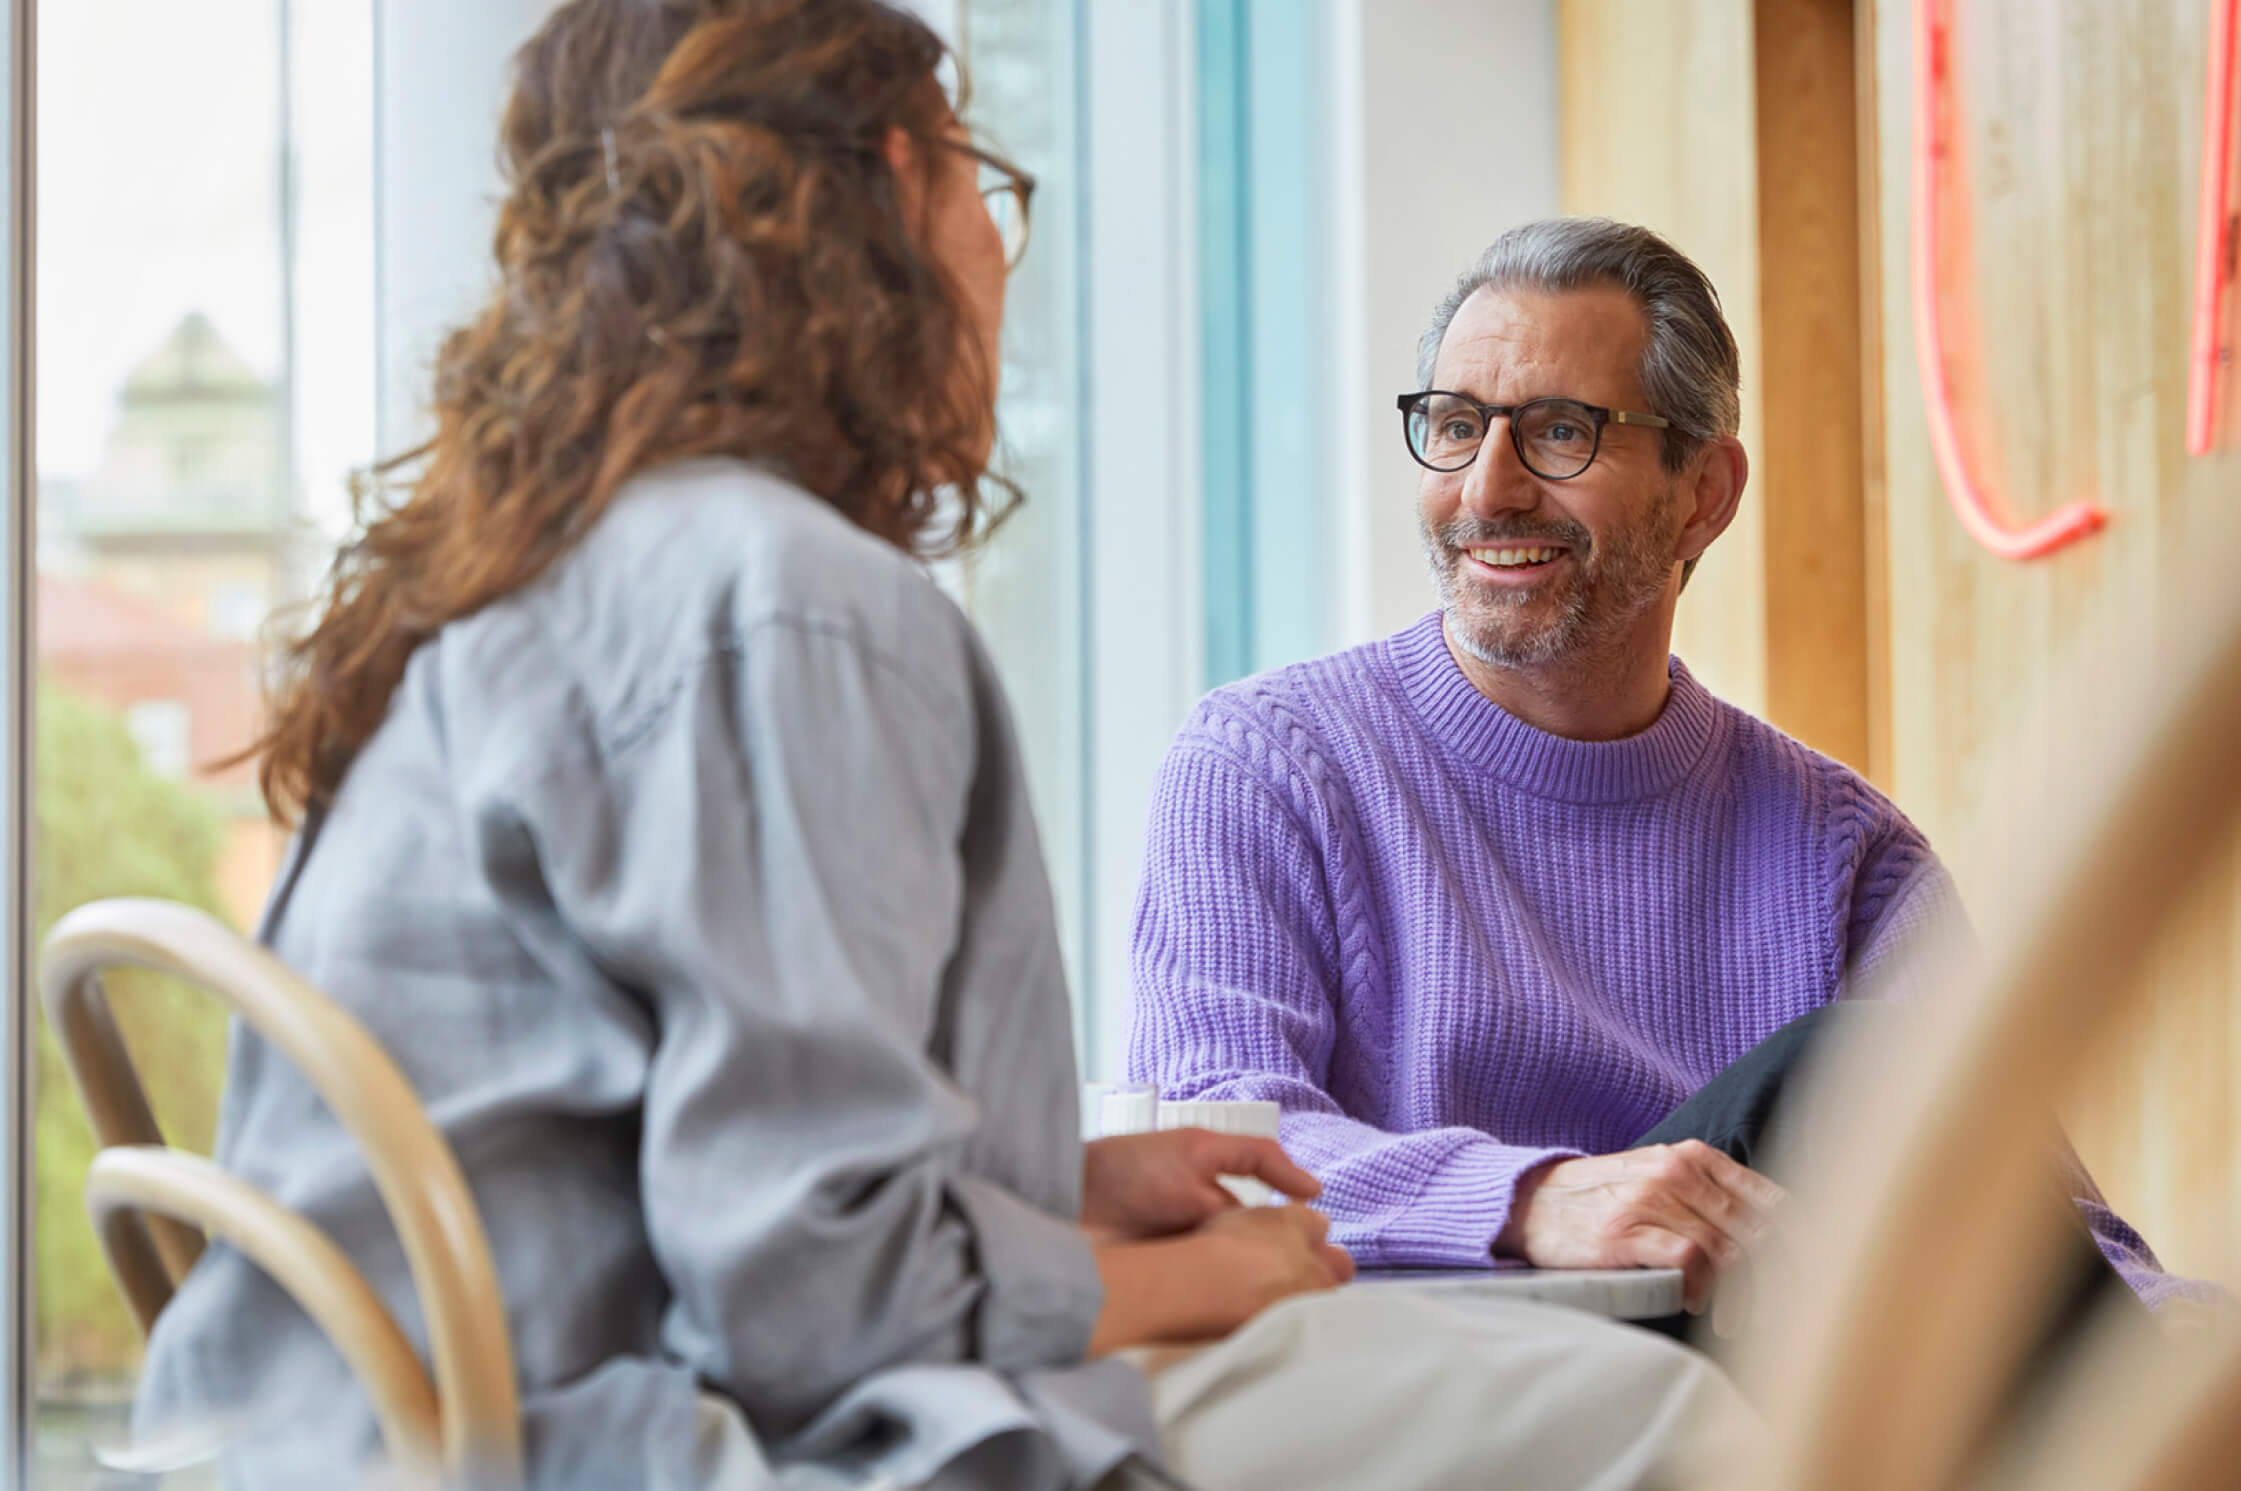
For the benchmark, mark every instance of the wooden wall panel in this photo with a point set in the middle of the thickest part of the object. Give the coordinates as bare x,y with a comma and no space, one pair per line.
1810,479
1658,129
2079,129
1730,126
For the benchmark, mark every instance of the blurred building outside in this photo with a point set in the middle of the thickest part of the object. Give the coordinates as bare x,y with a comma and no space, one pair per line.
158,573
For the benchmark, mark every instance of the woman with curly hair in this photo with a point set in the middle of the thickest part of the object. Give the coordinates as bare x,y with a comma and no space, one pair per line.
664,820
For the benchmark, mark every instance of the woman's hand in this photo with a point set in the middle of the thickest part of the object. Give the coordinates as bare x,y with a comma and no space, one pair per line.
1204,1285
1268,1253
1151,1185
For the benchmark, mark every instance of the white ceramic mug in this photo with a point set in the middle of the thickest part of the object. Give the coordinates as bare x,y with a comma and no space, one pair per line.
1110,1108
1260,1119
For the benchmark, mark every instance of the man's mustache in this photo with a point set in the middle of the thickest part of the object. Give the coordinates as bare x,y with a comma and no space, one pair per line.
1470,533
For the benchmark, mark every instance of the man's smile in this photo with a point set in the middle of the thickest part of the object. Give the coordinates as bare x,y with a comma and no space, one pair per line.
1512,564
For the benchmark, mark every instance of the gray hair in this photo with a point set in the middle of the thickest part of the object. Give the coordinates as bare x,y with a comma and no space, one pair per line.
1690,373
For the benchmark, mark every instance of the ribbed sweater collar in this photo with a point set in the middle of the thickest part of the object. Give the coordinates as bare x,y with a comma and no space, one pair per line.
1479,731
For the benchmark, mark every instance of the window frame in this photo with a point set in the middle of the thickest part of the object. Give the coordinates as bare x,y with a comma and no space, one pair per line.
18,674
1143,473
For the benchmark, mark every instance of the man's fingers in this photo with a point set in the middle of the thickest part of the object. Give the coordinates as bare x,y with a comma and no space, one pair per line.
1683,1200
1337,1260
1736,1222
1731,1206
1729,1195
1665,1248
1263,1159
1741,1180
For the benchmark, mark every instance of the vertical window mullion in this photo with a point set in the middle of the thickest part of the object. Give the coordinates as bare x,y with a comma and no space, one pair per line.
16,427
1226,331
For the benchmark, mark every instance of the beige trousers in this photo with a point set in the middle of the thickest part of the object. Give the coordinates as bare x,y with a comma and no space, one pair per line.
1382,1389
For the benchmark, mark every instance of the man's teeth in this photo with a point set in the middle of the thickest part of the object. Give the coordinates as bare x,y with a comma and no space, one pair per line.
1510,558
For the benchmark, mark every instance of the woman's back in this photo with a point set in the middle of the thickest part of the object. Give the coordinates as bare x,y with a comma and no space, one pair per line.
695,890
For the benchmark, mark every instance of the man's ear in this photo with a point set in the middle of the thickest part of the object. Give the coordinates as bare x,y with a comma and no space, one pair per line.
906,162
1711,491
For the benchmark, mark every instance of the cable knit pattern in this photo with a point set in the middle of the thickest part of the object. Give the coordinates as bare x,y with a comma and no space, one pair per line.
1455,947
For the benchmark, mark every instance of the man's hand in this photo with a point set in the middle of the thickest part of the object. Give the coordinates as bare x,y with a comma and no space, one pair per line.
1149,1185
1684,1206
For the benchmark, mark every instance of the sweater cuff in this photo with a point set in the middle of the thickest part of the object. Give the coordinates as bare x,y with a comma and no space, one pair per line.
1453,1220
1044,1291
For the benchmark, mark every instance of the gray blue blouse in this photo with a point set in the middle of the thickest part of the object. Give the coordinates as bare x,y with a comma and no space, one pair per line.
696,890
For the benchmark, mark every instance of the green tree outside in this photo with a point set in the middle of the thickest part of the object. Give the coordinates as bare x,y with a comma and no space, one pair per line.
109,827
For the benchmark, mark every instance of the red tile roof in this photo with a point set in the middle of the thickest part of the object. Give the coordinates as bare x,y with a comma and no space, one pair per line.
80,618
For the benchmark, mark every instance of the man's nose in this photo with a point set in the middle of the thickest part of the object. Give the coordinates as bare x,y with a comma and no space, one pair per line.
1497,482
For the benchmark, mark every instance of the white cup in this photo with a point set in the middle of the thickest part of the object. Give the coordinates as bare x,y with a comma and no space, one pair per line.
1110,1108
1259,1119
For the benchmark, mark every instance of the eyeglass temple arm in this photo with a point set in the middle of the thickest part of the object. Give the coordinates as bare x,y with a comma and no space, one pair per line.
1407,402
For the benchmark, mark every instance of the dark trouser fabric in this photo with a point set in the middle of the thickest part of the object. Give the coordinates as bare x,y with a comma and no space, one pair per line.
1742,1111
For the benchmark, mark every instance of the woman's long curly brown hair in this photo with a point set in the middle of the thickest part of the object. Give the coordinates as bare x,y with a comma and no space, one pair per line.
702,250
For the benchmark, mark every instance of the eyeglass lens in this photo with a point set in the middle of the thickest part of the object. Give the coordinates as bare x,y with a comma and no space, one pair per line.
1555,438
1008,211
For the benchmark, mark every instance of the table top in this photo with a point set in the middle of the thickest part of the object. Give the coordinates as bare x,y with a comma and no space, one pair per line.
1621,1294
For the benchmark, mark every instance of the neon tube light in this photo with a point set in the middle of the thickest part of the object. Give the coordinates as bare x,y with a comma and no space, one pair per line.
2213,248
1978,509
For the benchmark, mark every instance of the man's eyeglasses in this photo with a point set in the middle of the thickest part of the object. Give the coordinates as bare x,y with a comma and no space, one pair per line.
1556,439
1007,190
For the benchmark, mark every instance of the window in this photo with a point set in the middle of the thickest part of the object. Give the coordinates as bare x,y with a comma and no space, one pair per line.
1024,590
196,435
1088,598
1264,286
205,262
192,459
237,610
16,668
163,730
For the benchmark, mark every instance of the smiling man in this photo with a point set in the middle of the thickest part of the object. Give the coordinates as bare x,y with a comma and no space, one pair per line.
1506,910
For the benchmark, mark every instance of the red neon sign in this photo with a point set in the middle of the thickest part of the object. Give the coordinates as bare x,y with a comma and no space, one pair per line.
2213,244
1979,510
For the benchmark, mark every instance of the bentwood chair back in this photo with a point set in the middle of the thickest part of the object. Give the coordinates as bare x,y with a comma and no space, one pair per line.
1896,1352
153,1206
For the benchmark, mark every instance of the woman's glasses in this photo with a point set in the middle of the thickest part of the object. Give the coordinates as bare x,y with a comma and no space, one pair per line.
1007,190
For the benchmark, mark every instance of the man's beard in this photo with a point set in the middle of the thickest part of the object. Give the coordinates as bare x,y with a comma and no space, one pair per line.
1606,590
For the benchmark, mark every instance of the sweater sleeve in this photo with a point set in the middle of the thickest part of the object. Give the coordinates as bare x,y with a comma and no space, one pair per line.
1907,920
1246,974
2127,1251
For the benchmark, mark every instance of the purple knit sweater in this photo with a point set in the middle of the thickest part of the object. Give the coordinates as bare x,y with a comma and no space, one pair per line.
1455,947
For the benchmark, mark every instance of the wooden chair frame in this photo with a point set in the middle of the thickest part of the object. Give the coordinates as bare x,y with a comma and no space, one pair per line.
137,1188
130,1184
1937,1245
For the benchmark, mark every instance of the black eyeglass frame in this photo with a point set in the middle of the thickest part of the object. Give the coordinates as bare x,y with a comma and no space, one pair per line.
1598,415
